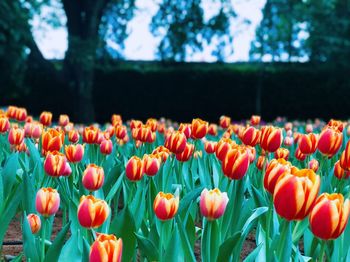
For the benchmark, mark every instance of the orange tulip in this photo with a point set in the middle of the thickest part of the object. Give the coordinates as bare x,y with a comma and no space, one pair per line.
4,124
336,124
73,136
176,142
298,155
213,203
34,223
295,194
135,124
330,141
51,140
339,172
92,212
45,118
345,157
250,136
186,154
236,163
223,146
210,147
106,146
163,152
144,134
282,153
16,136
56,164
91,135
213,130
93,177
21,114
151,164
329,216
152,124
270,138
274,169
165,206
106,248
47,201
260,162
116,120
120,131
255,120
74,153
308,143
199,128
134,169
225,121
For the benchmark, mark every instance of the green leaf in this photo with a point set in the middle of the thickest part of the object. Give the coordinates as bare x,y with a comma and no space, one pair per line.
147,248
226,248
86,250
29,244
54,250
115,187
188,251
299,230
253,255
18,258
71,250
28,195
174,252
257,213
188,198
9,173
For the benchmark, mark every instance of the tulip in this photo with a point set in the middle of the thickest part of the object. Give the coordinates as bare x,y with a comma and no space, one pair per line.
21,114
339,172
288,126
186,154
73,136
270,138
135,124
4,124
345,157
151,164
295,194
47,201
308,143
63,120
236,163
45,118
144,134
213,130
116,120
34,223
336,124
93,177
313,164
223,146
330,141
298,155
106,248
309,128
329,216
274,169
213,203
165,206
250,136
106,147
282,153
255,120
225,122
199,128
152,124
176,142
11,112
74,153
91,135
56,164
260,162
288,141
92,212
16,136
33,130
120,131
51,140
163,152
210,147
134,169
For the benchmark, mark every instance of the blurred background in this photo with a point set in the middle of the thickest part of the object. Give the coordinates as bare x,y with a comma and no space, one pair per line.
178,59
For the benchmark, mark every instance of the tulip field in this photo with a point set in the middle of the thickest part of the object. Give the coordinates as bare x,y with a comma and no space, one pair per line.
164,191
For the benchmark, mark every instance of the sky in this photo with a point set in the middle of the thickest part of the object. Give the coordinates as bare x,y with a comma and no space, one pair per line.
141,44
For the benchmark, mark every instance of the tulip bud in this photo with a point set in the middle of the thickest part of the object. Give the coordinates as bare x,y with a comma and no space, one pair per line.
313,164
33,130
93,177
330,141
106,248
288,141
199,128
210,147
309,128
51,140
236,163
250,136
120,131
282,153
151,164
45,118
329,216
295,194
91,135
21,114
92,212
223,146
116,120
134,169
34,223
106,147
165,206
176,142
144,134
213,203
308,143
288,126
339,172
213,130
56,164
186,154
63,120
225,122
270,138
73,136
47,201
152,124
260,162
4,124
298,155
135,124
16,136
255,120
274,169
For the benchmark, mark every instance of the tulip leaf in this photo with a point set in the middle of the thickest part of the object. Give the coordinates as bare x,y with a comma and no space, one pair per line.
54,250
299,230
9,173
253,255
18,258
226,249
115,187
188,198
29,245
188,251
35,157
147,248
174,252
86,250
72,251
28,195
123,226
257,213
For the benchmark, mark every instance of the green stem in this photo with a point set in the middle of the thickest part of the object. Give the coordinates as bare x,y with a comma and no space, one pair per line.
267,233
161,235
283,242
323,247
43,233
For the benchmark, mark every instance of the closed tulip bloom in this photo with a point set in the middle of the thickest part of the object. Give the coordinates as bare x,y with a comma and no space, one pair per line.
151,164
162,151
45,118
116,120
250,136
176,142
34,223
330,141
274,169
199,128
73,136
106,147
288,141
144,134
120,131
313,164
282,153
93,177
63,120
56,164
106,248
33,130
271,138
91,135
345,157
295,194
223,146
165,206
135,124
288,126
134,169
336,124
92,212
152,124
298,155
329,216
260,162
339,172
213,130
47,201
255,120
308,143
186,154
4,124
11,112
213,203
225,122
21,114
236,163
309,128
74,153
16,136
51,140
210,147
